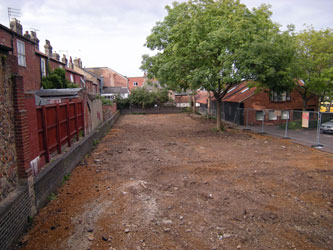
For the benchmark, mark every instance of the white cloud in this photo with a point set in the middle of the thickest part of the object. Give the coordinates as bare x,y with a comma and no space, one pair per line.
112,33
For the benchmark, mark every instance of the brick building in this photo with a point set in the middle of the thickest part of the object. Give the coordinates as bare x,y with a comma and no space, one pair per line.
111,78
243,97
135,82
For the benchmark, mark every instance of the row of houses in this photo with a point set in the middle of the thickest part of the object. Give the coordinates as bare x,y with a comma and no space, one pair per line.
25,105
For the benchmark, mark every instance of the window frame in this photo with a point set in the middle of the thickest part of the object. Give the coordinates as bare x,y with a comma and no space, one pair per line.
43,66
135,84
21,55
279,97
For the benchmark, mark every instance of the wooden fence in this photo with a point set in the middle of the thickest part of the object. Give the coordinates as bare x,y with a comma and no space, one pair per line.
58,124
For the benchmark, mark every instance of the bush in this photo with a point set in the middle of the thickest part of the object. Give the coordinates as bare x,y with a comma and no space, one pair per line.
106,101
56,80
141,97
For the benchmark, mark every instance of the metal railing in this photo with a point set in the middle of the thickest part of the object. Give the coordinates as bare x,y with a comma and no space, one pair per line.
302,126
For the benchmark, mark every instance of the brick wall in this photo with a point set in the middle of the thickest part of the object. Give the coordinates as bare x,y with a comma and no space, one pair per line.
8,175
139,80
109,110
31,72
14,213
262,101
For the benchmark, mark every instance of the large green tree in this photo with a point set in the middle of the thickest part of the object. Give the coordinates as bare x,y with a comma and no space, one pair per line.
215,44
315,64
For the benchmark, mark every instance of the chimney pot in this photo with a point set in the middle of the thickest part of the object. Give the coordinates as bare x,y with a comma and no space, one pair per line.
16,26
48,48
64,59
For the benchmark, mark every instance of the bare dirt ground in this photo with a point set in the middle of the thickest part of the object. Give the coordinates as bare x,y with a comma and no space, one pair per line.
172,182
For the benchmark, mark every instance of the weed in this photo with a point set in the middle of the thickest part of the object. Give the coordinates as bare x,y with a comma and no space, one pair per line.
96,142
66,178
52,197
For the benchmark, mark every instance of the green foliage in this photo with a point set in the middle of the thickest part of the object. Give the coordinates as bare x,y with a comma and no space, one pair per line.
95,142
214,45
106,101
142,97
315,63
57,80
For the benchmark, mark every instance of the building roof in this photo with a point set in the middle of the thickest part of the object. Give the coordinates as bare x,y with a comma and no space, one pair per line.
69,92
115,90
239,93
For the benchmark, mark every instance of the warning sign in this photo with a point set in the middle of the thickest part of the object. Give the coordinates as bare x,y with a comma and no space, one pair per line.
305,119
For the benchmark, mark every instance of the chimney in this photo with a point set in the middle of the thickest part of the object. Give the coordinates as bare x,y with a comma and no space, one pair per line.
78,63
35,39
16,26
56,56
48,48
70,64
27,35
64,59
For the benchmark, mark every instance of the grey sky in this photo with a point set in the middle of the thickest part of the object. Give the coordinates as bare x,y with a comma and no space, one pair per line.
112,33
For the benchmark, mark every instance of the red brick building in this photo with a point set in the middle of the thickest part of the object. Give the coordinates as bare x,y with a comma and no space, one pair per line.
111,78
23,47
243,97
134,82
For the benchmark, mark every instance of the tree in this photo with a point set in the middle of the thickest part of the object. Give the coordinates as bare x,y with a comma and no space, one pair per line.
57,80
315,64
144,98
215,45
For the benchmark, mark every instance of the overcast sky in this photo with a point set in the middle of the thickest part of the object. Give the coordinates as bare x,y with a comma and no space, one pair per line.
111,33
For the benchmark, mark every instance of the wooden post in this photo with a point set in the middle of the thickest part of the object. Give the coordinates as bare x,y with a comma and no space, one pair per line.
68,127
76,121
83,125
45,136
58,128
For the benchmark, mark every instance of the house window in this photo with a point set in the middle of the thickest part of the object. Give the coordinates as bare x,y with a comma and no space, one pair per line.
272,115
43,67
279,97
21,53
71,77
135,83
260,115
285,115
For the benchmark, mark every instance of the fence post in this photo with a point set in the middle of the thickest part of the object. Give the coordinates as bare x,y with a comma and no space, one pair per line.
263,123
68,126
83,125
318,145
58,128
247,120
76,121
45,136
286,130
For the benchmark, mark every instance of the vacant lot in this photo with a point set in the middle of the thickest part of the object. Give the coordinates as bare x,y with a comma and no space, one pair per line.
172,182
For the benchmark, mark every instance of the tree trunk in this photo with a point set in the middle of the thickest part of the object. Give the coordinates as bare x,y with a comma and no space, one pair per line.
209,103
218,115
194,104
305,103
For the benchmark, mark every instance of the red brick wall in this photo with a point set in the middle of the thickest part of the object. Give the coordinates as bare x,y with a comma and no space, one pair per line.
111,78
21,129
30,73
262,101
139,80
33,125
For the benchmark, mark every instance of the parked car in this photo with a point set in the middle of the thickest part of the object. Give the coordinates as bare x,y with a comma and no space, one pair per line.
327,127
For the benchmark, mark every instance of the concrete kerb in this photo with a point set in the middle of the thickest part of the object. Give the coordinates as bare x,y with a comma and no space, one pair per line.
17,207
